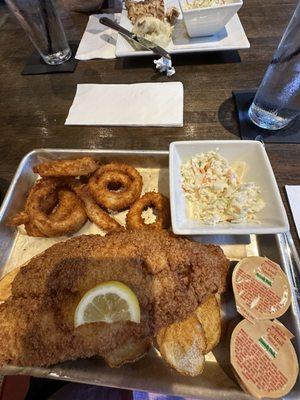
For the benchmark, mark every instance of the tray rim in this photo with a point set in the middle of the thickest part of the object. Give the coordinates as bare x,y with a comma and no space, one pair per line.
38,371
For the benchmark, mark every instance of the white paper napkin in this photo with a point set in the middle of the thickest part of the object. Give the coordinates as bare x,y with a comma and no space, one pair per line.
98,41
141,104
293,193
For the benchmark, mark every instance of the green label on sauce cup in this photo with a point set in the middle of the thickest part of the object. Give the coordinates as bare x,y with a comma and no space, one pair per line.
261,289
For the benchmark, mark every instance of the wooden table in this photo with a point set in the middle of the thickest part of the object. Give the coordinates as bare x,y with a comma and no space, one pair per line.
34,107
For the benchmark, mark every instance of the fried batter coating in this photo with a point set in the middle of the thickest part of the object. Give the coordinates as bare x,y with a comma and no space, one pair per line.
68,217
154,8
128,353
161,205
172,14
51,210
171,276
19,219
95,212
123,175
48,203
78,167
32,230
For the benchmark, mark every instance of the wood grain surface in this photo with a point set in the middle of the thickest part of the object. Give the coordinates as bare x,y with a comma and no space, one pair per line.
34,108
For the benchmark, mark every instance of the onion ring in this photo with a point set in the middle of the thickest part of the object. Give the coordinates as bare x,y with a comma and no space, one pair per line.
64,206
68,217
19,219
94,212
47,205
60,168
115,174
51,200
32,230
58,213
160,203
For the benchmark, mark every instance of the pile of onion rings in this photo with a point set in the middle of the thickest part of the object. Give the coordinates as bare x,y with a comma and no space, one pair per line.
72,191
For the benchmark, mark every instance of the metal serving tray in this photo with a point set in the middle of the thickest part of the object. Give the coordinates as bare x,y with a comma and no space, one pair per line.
151,373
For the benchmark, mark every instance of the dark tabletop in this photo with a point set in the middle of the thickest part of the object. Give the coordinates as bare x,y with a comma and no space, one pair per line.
34,108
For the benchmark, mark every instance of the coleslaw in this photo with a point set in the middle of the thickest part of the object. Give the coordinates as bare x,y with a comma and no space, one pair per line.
203,3
215,192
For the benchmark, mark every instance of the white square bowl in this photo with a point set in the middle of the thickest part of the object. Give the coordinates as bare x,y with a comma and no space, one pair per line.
273,218
209,20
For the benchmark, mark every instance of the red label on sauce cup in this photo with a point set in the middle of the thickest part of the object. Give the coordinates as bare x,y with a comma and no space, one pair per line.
263,358
261,289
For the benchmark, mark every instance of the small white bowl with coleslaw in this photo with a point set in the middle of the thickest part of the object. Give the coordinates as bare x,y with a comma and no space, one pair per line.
224,187
207,17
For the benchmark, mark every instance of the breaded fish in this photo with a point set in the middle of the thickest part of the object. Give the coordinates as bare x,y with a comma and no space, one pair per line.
171,276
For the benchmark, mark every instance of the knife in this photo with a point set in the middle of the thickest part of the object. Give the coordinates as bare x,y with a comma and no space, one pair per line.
137,39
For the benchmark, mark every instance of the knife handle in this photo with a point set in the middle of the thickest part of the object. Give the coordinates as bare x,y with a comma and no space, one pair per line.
113,25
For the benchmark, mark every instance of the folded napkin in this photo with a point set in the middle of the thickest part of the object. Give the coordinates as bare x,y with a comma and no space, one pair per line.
98,41
293,193
141,104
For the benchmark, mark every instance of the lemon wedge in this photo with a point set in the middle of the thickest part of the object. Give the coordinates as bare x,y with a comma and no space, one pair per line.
108,302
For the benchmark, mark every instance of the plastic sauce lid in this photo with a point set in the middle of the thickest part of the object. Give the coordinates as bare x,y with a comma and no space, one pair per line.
264,358
261,289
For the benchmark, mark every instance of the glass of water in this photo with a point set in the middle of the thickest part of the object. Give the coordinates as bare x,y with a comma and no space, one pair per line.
42,24
277,101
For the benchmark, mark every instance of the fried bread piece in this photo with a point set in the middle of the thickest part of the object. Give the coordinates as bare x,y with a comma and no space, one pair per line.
171,276
209,316
128,353
182,345
172,14
149,8
6,283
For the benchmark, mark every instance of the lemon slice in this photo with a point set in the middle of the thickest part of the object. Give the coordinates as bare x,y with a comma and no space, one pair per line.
108,302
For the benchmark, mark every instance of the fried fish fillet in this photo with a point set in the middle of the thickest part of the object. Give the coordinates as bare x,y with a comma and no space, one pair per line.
171,276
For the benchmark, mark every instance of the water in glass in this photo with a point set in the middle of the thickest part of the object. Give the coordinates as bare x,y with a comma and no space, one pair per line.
277,101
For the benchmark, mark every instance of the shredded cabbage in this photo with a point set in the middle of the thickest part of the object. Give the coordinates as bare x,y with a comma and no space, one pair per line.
215,192
203,3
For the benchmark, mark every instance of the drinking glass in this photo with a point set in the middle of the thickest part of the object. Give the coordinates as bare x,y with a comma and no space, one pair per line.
42,24
277,101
